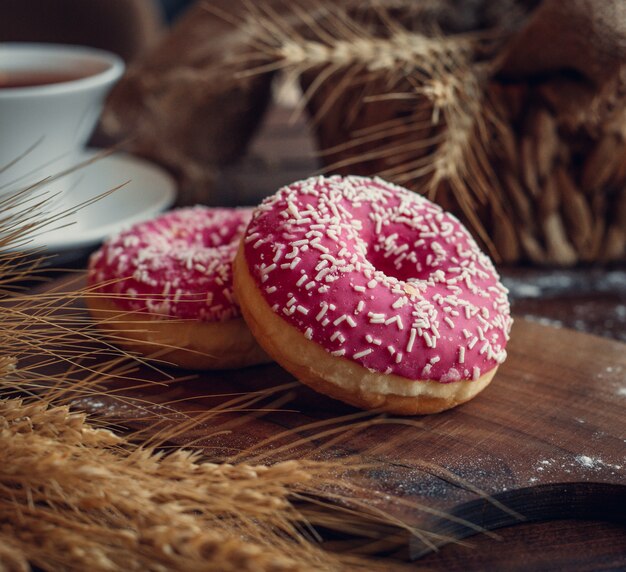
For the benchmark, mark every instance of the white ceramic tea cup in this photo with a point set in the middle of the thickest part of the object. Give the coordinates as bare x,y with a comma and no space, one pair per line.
44,126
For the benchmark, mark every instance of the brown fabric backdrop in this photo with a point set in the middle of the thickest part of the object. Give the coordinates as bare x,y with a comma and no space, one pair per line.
127,27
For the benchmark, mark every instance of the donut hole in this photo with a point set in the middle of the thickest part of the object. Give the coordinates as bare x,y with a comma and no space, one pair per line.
397,257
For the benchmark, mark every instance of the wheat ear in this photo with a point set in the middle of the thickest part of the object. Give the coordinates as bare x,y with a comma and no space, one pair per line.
354,65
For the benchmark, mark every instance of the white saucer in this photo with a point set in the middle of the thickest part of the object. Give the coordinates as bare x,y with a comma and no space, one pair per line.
147,190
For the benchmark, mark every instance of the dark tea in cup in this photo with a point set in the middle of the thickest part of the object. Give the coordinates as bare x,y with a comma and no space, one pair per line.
33,78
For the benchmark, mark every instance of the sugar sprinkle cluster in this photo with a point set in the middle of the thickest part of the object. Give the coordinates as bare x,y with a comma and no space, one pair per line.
381,276
178,265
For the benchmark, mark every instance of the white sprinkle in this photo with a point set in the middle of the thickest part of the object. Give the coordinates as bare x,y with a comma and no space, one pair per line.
475,372
302,280
397,320
399,303
320,247
323,311
359,288
363,353
359,307
293,210
252,237
321,265
472,343
377,320
322,273
462,354
412,335
372,283
292,254
310,285
302,310
295,262
271,289
308,333
398,357
466,333
449,322
391,350
336,335
372,340
428,340
434,360
338,353
339,320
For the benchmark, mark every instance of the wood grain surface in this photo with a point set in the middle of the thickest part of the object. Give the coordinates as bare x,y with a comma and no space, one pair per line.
544,442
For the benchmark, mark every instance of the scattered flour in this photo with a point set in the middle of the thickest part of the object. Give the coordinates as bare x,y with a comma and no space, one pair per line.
543,464
546,466
594,463
588,462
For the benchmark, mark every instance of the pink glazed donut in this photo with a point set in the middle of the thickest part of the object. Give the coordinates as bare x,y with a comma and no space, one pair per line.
164,288
372,294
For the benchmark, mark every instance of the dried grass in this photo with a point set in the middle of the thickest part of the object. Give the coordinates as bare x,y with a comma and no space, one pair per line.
76,496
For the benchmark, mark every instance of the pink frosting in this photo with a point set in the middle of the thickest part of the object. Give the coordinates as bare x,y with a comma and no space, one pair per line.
178,265
381,276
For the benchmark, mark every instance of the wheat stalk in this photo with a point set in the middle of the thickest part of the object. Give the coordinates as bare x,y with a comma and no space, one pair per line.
536,169
76,497
441,144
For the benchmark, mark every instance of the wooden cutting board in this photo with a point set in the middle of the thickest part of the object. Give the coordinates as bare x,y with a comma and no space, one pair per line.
546,440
